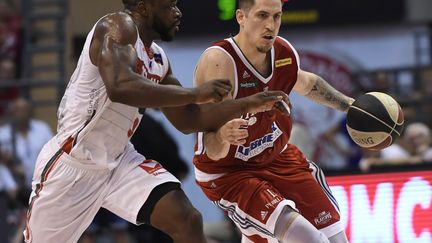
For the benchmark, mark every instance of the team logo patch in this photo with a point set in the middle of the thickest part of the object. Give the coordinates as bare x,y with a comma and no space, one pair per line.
257,146
248,85
283,62
152,167
323,218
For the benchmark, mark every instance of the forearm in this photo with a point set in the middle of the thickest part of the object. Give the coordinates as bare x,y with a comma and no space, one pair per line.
205,117
215,147
323,93
135,91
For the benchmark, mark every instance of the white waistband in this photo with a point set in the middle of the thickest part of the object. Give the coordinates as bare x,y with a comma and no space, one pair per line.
205,177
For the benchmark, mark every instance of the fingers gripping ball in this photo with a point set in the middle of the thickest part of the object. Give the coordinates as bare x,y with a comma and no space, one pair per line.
375,120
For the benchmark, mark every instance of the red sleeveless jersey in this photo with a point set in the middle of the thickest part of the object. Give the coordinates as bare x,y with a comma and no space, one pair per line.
268,131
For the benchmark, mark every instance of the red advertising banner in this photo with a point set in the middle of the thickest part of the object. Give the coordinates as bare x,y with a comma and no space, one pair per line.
385,207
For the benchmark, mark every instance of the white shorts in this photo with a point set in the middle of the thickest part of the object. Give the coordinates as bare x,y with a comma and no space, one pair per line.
67,193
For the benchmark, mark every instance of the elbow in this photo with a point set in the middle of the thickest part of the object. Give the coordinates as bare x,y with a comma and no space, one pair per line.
114,95
188,126
187,129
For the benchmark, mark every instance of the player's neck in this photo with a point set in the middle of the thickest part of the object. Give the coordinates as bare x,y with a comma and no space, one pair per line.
146,34
258,59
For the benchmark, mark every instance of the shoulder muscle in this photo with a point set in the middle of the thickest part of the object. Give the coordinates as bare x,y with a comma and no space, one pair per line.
119,27
214,63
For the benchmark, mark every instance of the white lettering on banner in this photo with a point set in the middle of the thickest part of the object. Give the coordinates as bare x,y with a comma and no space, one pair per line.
372,221
408,199
391,207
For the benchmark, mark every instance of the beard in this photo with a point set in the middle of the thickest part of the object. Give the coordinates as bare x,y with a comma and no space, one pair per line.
165,33
263,49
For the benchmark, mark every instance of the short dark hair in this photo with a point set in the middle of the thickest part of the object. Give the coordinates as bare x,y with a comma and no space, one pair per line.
131,4
245,4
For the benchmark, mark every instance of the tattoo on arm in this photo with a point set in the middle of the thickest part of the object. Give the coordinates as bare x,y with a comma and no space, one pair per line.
324,93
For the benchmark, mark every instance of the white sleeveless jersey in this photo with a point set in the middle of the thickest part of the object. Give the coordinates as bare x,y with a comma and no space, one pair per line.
101,129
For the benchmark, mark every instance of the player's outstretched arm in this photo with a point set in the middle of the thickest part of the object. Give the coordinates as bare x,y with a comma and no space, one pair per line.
113,52
318,90
211,116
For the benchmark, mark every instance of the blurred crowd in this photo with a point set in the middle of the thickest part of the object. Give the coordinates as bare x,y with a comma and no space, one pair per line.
321,132
10,49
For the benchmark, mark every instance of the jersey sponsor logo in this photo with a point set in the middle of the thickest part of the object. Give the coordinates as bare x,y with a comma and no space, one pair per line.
257,146
139,66
274,201
323,218
283,62
142,69
248,85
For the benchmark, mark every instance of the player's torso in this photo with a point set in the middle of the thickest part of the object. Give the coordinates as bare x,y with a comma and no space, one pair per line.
102,128
268,131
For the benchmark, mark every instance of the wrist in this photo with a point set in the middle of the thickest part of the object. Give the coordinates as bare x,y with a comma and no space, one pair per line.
219,137
244,105
349,103
193,94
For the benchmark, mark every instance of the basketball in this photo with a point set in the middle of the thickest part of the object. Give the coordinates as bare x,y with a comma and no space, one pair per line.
375,120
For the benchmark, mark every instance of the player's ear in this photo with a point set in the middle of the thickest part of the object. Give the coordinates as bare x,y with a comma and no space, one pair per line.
240,16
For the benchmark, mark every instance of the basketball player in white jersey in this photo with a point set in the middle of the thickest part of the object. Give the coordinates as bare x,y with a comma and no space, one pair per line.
90,163
248,167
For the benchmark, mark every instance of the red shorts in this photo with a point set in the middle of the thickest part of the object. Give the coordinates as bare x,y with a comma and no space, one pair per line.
254,199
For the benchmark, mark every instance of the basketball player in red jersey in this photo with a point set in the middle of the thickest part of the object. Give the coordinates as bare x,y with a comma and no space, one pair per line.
247,167
90,163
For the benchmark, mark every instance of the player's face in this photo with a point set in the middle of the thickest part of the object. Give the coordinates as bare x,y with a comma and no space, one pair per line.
262,23
166,19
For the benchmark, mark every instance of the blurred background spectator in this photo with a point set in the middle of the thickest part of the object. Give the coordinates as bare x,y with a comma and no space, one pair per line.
413,148
10,49
8,192
21,139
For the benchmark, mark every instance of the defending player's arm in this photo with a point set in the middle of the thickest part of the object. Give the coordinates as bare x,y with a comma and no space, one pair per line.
318,90
211,116
113,52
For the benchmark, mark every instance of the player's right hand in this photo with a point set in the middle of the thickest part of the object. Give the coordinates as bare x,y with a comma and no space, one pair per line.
212,91
264,101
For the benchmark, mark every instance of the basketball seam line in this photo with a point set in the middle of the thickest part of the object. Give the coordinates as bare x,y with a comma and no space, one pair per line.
392,128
